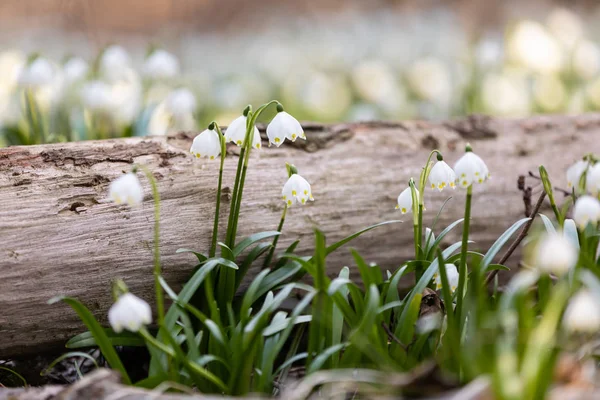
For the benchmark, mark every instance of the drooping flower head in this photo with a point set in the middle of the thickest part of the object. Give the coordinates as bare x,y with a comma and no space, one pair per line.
452,275
161,64
129,312
38,73
114,63
586,211
470,169
97,96
441,175
592,182
583,313
574,173
284,126
236,132
555,254
75,69
127,189
296,191
405,202
207,144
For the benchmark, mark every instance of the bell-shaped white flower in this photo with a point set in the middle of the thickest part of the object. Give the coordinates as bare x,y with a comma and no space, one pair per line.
236,132
574,173
284,126
470,168
451,274
583,313
296,190
206,144
181,103
38,73
129,312
405,203
127,189
75,69
555,254
586,211
97,96
161,65
114,63
592,181
441,175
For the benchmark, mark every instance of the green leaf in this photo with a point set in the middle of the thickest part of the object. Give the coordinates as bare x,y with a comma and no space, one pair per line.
290,250
250,296
337,317
499,243
279,326
70,354
152,381
570,232
370,275
241,246
290,361
201,257
125,338
277,277
441,236
320,359
98,333
547,223
330,249
256,252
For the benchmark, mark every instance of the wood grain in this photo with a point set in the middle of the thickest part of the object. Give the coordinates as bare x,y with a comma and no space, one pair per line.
59,234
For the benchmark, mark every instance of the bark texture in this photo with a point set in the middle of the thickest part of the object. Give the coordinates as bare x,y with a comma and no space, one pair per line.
59,233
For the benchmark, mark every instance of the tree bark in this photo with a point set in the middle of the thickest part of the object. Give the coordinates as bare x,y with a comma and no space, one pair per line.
59,233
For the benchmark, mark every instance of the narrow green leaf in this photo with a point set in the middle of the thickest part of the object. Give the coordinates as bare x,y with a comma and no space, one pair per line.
489,256
320,359
438,240
98,333
547,223
125,338
330,249
241,246
256,252
201,257
70,354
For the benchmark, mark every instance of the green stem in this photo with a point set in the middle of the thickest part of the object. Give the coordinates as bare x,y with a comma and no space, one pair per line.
159,345
276,238
462,269
213,244
160,304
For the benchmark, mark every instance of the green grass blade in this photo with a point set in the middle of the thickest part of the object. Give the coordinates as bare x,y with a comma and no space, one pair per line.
86,339
330,249
250,240
489,256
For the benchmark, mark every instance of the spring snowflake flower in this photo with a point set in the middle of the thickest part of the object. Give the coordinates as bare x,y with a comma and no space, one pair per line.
284,126
470,168
114,63
129,312
161,65
296,190
75,69
236,132
206,144
451,273
582,313
96,96
441,175
574,173
592,182
127,189
181,103
555,254
405,200
38,73
586,211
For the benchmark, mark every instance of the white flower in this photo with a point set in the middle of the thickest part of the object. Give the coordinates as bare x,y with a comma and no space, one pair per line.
441,175
451,274
296,190
75,69
161,65
430,80
531,46
97,96
129,312
405,200
181,103
582,313
592,182
236,132
127,189
38,73
574,173
555,254
566,26
114,62
586,211
284,126
470,168
549,92
206,144
505,94
586,60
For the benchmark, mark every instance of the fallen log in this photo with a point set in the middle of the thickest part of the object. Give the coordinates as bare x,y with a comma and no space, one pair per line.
60,234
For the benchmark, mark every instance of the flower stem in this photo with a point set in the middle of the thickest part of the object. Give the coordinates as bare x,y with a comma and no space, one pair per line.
160,304
213,244
276,238
462,269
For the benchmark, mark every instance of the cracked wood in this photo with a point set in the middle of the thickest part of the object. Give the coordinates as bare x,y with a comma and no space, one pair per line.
59,234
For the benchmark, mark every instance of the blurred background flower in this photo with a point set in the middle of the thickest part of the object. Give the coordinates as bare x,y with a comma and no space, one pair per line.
114,76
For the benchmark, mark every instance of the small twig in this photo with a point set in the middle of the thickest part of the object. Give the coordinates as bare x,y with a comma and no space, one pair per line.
392,336
519,238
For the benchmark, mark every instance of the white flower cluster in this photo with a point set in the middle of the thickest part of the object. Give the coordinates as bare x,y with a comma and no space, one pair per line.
585,176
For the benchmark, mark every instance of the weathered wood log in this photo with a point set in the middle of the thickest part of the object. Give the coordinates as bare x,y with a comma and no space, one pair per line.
59,234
